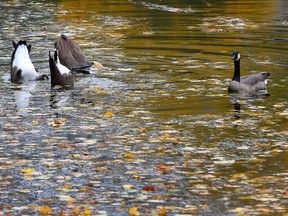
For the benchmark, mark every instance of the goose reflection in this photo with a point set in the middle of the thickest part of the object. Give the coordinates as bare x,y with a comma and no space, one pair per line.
22,96
235,101
59,98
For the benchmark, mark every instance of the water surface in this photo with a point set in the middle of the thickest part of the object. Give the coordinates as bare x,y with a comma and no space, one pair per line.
161,100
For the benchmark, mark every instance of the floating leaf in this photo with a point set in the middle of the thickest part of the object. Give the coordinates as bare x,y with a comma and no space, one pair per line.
205,206
68,187
27,171
57,122
76,211
163,168
108,114
44,210
90,184
101,169
162,211
165,136
134,211
86,212
157,197
98,66
149,188
35,123
97,89
129,156
128,187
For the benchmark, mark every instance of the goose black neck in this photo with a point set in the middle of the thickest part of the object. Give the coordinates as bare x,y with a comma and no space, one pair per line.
236,76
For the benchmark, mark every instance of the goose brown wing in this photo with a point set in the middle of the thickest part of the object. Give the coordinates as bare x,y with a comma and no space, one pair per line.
71,55
65,55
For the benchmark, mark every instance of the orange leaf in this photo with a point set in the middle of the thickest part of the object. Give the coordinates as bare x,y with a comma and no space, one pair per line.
163,168
162,212
149,188
57,122
76,211
157,197
91,184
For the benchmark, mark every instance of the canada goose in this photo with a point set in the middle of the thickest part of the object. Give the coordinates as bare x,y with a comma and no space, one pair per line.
60,74
250,83
71,56
22,69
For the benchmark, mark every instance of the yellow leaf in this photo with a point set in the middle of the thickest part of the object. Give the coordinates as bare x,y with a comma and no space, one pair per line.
165,136
128,187
76,211
129,155
27,171
134,211
162,211
205,206
86,212
108,114
44,210
35,123
67,187
71,199
98,66
97,89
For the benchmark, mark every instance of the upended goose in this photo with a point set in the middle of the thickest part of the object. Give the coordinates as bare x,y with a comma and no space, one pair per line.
60,74
250,83
22,69
71,56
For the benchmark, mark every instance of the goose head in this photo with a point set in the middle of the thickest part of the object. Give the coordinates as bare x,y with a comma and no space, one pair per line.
236,56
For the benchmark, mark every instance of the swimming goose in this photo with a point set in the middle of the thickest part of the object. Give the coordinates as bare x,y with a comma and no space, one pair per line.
71,56
22,69
250,83
60,74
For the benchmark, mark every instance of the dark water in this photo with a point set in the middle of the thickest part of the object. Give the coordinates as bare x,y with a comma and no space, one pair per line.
167,66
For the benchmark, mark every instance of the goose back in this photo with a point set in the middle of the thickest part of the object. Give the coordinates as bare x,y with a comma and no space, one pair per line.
71,55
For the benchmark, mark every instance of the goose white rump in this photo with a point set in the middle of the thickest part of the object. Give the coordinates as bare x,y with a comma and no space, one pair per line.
22,68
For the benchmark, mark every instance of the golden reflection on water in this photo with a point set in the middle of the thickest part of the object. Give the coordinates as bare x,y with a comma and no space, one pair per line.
168,41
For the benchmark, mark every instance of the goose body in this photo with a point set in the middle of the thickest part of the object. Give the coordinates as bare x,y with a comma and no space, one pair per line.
71,55
250,83
22,69
60,74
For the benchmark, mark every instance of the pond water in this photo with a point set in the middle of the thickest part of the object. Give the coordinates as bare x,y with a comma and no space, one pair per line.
156,132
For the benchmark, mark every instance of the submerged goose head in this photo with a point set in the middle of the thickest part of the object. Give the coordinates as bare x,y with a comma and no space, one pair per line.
250,83
22,69
60,74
